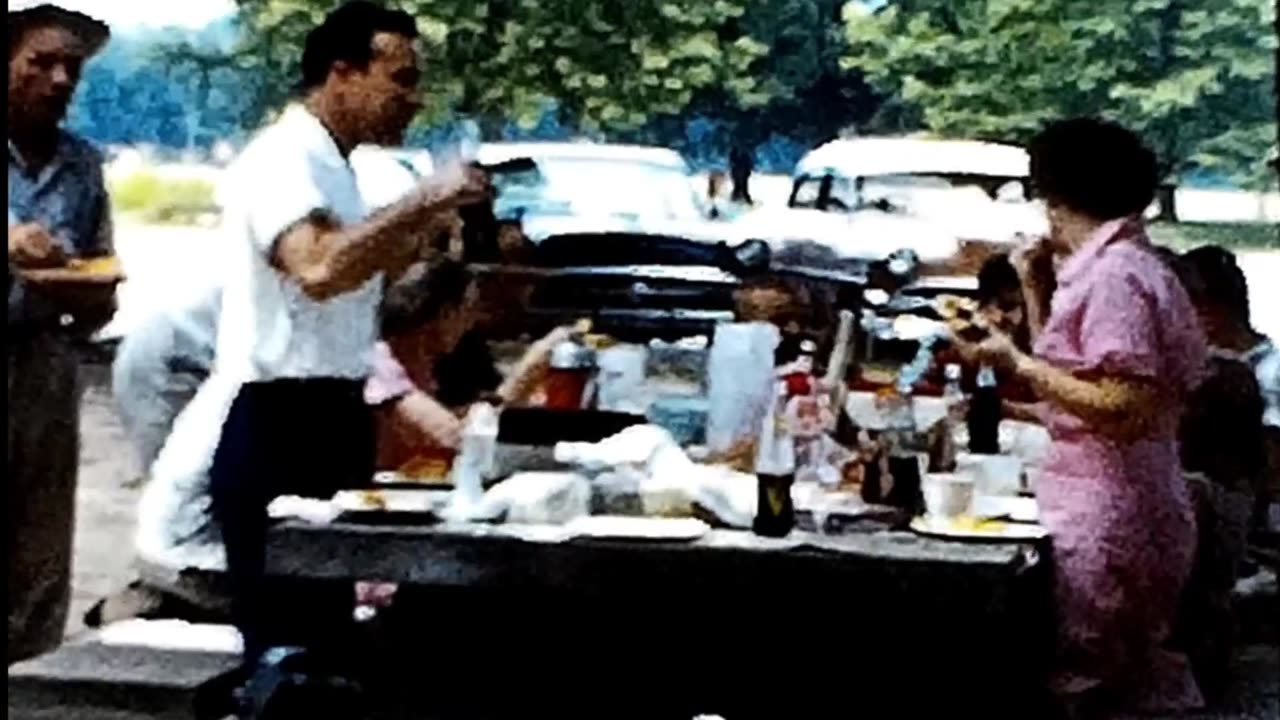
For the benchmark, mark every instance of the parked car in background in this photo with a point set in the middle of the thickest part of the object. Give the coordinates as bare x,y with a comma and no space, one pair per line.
594,187
953,202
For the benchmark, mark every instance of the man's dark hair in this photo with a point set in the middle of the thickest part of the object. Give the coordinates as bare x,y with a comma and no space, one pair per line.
426,290
997,277
346,35
1213,278
1094,167
95,33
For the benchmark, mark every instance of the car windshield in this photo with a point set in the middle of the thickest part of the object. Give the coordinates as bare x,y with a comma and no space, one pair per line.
904,192
600,186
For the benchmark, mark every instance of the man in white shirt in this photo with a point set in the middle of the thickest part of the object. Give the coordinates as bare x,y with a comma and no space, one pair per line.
301,297
159,366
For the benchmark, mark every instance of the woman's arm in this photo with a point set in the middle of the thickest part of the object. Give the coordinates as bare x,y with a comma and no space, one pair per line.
426,417
1122,407
528,372
1023,411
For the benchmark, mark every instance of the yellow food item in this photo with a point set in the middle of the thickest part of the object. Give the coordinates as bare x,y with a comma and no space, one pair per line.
424,468
373,500
954,306
967,523
598,342
107,265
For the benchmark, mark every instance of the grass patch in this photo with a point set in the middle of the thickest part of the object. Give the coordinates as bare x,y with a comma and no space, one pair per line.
153,199
1237,236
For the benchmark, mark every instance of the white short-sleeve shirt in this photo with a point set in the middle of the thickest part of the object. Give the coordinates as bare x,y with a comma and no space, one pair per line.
269,329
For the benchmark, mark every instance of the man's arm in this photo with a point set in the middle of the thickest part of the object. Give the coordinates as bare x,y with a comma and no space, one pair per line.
329,259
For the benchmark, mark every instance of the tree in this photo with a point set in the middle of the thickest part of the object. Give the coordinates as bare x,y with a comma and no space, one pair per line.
803,92
602,66
1192,76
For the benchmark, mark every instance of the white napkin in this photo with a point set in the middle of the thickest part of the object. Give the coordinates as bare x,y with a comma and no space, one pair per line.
309,510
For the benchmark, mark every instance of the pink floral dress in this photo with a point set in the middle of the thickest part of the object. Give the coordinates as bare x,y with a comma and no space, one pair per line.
1119,512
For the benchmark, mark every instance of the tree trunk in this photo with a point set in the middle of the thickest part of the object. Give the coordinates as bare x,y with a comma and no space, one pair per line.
1166,199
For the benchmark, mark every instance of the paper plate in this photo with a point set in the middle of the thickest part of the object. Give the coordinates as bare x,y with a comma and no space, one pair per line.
638,528
971,530
393,501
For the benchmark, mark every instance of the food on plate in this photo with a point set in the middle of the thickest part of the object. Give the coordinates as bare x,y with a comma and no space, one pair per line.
424,468
106,265
952,307
106,269
968,523
373,499
970,330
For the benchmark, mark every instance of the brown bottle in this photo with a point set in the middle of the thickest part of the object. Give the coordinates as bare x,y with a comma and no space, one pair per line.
775,474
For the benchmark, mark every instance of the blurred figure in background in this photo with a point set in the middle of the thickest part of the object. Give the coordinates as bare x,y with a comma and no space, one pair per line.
1225,314
1223,454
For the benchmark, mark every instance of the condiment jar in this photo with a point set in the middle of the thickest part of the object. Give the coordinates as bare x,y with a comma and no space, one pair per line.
569,377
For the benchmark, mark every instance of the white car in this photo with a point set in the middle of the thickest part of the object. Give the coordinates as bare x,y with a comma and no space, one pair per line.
600,188
952,202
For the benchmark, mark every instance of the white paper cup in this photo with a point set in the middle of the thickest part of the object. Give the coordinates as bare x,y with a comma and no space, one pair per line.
999,475
947,495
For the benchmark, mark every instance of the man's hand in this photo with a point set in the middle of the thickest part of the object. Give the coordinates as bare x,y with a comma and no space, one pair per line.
439,235
457,186
32,247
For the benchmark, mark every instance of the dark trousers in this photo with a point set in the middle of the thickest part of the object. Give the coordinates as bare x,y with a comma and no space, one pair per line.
309,438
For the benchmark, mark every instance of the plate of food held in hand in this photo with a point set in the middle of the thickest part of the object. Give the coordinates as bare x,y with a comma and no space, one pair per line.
105,270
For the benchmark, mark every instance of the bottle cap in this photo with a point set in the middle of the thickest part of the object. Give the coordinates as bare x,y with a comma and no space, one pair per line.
986,377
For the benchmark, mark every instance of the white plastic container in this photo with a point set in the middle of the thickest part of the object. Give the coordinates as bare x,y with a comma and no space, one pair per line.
947,495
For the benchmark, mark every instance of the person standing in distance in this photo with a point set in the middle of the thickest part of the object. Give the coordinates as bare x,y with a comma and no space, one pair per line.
300,300
58,210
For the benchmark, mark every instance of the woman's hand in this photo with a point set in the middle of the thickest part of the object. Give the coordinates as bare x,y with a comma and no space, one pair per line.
997,350
524,378
1034,264
549,342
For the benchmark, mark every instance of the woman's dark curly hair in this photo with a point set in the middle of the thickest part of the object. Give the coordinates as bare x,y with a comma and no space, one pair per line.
426,290
1094,167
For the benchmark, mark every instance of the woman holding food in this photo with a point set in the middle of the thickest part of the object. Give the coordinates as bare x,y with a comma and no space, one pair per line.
430,364
1119,352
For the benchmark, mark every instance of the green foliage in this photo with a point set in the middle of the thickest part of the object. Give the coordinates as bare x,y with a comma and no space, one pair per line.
1184,236
1195,77
153,199
606,65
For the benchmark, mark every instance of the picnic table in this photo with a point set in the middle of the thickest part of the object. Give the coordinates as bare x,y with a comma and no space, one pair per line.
731,623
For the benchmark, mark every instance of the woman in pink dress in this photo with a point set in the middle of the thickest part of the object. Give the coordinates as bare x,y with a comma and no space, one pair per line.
1119,351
